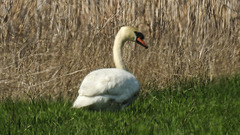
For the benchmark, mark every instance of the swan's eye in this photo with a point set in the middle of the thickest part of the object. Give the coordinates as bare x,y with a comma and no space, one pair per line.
139,35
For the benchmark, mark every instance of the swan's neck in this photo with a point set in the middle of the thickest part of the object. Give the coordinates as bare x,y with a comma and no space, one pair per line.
117,52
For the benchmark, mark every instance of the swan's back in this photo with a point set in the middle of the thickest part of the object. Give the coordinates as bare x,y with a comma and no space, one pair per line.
107,87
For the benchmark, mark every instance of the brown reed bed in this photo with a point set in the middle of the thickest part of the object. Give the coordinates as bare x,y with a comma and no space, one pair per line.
47,47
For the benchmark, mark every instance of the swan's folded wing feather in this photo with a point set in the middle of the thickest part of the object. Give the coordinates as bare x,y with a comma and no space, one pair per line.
108,81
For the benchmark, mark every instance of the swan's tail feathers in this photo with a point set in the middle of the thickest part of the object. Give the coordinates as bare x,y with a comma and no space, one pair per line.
83,101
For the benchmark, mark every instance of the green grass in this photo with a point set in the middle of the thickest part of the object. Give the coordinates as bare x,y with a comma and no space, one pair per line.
203,108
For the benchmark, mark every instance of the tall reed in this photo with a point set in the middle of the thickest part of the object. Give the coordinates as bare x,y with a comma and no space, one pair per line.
47,47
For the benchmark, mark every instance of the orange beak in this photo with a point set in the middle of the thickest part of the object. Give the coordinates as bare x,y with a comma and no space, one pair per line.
140,41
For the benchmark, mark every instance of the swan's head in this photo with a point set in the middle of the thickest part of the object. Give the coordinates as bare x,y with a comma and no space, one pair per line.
129,33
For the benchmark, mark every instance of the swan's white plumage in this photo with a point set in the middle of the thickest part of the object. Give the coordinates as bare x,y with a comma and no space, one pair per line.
110,88
109,80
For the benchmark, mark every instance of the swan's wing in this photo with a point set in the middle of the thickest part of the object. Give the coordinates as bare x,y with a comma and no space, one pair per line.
112,82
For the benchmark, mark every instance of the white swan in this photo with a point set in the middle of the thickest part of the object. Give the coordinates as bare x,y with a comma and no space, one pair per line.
111,88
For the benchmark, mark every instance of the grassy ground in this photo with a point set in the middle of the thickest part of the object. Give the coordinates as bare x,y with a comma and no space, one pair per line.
212,108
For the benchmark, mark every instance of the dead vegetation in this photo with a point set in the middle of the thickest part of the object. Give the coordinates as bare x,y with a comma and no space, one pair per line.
47,47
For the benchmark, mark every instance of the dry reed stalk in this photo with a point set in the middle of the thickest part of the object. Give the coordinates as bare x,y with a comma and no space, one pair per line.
45,45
